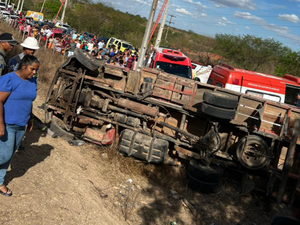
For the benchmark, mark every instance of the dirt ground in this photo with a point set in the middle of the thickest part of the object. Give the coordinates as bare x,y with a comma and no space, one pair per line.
56,183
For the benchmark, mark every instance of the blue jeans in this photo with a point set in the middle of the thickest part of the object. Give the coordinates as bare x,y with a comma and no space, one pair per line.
9,142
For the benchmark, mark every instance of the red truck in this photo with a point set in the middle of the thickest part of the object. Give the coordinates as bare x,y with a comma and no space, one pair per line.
279,89
171,61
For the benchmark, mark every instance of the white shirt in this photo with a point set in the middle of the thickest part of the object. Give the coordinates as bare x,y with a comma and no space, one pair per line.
100,45
90,46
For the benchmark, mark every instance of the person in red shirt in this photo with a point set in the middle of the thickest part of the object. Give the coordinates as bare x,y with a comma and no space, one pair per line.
130,61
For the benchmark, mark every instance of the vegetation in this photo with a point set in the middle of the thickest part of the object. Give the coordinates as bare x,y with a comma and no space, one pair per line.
247,52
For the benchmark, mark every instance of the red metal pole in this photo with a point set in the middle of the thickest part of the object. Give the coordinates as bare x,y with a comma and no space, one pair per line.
157,20
59,11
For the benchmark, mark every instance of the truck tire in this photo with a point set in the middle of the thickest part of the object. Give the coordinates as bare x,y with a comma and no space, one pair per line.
248,159
220,99
217,112
211,173
206,179
86,60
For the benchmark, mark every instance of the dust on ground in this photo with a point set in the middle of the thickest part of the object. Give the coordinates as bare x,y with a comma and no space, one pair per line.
56,183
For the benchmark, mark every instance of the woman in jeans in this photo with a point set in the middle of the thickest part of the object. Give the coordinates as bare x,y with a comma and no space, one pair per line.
17,92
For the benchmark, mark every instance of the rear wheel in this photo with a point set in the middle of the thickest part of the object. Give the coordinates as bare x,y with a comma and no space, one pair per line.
250,152
204,178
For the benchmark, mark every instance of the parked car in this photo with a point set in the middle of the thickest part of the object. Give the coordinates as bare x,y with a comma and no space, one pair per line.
2,6
120,44
4,14
200,72
62,25
9,18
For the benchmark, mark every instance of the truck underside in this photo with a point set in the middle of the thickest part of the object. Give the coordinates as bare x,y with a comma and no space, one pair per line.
162,118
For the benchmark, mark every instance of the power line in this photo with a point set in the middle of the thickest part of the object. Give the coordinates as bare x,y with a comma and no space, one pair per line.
239,24
170,22
138,7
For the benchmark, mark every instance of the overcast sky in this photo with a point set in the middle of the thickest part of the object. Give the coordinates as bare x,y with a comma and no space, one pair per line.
278,19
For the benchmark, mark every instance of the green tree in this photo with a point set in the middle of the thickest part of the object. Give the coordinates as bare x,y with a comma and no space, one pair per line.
28,4
248,51
289,64
51,8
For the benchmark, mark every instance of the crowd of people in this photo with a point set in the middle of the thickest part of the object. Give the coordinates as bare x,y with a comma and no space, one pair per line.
18,77
64,42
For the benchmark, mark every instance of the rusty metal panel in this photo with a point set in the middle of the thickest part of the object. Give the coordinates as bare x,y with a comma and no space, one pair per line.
162,93
100,136
149,73
133,80
138,107
113,71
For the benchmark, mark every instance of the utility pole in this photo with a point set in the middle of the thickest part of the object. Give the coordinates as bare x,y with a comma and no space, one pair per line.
64,11
170,22
22,6
162,25
146,35
18,6
43,6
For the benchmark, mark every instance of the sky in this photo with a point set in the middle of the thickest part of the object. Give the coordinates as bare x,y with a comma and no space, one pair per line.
277,19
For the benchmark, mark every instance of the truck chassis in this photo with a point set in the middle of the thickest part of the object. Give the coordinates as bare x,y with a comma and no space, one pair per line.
161,118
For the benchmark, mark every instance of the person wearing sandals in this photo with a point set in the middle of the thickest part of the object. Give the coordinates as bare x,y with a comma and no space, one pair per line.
17,92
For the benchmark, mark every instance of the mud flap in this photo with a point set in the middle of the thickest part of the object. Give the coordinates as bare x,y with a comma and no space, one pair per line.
144,147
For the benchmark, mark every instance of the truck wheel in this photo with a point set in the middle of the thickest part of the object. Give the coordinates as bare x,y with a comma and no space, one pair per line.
206,179
86,60
211,173
246,152
217,112
220,99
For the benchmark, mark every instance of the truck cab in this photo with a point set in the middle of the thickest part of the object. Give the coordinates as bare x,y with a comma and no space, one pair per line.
171,61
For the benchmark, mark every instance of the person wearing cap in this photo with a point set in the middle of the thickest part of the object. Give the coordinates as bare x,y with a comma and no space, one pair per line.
30,45
7,42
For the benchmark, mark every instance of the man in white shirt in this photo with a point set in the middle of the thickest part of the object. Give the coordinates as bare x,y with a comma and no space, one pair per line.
101,44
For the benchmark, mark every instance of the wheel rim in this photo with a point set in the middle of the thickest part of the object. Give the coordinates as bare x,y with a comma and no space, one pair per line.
249,158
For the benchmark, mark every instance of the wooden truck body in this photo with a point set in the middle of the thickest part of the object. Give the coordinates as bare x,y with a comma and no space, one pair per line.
162,118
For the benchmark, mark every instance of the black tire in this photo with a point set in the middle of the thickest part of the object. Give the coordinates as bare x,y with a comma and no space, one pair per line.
248,159
206,179
88,61
220,99
212,173
201,186
217,112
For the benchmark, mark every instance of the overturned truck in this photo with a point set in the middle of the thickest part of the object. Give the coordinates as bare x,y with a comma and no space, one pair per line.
162,118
